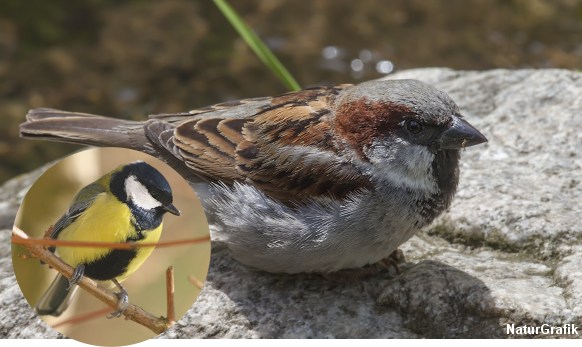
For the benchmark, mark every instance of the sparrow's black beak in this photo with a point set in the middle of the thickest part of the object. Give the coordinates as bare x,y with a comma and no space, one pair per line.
460,134
172,209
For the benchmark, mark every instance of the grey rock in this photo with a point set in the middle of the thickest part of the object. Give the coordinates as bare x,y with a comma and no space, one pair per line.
509,250
11,195
443,302
17,319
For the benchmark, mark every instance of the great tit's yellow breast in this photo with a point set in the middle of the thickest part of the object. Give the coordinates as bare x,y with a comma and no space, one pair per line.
143,252
106,220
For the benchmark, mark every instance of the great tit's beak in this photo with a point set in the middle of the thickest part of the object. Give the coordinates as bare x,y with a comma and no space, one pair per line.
460,134
172,209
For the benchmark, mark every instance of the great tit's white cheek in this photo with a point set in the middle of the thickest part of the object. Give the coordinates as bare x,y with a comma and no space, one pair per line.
139,194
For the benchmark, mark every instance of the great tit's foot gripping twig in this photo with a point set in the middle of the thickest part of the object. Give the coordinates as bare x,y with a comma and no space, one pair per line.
122,302
77,275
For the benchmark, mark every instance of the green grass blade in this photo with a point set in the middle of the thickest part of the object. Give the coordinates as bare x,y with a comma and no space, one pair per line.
257,45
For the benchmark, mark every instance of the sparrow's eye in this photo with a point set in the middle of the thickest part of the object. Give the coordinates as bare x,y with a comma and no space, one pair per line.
413,126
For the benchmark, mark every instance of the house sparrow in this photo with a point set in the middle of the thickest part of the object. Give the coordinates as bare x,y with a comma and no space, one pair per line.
318,180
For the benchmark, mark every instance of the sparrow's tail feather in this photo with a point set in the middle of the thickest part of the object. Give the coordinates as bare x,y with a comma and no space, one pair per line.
152,137
83,128
57,297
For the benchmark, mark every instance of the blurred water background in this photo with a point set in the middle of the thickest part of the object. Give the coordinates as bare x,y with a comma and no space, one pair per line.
132,58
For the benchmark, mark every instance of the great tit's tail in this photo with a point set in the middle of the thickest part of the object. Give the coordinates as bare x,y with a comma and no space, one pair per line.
83,128
57,297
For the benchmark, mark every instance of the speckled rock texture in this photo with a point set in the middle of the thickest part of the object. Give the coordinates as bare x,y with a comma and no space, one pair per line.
509,250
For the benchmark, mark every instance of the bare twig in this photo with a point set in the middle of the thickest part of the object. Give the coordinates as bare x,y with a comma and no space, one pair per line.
195,281
18,239
133,312
83,318
171,315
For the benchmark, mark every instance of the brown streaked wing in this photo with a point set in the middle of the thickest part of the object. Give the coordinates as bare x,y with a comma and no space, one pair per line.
206,150
208,111
289,150
205,139
285,146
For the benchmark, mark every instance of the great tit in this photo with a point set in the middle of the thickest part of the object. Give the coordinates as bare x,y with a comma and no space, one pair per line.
125,205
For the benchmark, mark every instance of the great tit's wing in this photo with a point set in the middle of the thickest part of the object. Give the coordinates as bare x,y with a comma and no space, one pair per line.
283,145
81,202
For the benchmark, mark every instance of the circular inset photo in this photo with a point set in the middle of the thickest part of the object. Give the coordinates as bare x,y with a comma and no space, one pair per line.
114,247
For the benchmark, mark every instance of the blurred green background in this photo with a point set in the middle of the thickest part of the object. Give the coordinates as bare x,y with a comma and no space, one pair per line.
132,58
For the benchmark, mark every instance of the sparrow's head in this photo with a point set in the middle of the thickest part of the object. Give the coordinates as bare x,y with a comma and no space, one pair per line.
405,132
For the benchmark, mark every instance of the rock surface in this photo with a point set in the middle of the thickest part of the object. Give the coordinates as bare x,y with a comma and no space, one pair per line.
508,251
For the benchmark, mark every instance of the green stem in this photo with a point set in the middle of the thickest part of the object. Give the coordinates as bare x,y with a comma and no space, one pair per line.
257,45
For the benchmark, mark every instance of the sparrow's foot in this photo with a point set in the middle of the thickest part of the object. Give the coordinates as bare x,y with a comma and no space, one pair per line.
122,301
77,275
350,275
347,275
388,263
392,261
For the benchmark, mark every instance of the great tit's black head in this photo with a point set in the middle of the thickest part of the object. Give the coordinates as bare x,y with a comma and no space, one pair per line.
144,187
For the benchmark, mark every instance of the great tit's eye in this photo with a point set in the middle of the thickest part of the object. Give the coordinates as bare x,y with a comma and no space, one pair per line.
413,126
158,195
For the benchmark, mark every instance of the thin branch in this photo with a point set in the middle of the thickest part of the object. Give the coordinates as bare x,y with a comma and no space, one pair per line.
133,312
195,281
83,318
18,239
171,315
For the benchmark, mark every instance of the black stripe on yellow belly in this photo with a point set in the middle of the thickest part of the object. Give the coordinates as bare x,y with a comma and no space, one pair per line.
110,266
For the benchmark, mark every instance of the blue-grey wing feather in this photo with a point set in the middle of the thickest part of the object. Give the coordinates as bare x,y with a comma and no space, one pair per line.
81,202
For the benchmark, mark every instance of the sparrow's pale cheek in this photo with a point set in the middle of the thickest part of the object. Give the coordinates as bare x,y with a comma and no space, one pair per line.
402,164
